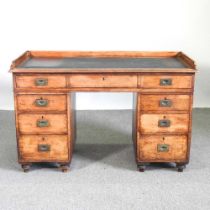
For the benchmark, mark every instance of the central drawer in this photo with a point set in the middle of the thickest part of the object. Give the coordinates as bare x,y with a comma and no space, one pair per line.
41,102
43,148
103,80
154,123
42,124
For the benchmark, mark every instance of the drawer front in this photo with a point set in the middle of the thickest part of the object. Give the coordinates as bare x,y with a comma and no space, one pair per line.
162,148
165,81
41,102
41,81
153,123
43,148
99,80
42,124
164,102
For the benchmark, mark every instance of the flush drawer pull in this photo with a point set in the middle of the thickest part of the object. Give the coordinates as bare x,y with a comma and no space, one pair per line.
164,123
43,147
41,82
162,147
41,102
165,103
42,123
165,82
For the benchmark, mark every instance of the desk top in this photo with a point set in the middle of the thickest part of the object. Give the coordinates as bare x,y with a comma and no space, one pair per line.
34,61
89,62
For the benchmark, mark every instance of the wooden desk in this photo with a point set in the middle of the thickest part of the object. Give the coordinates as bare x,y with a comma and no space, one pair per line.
44,87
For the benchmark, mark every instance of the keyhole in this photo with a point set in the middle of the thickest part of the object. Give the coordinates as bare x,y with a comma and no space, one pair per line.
163,139
103,78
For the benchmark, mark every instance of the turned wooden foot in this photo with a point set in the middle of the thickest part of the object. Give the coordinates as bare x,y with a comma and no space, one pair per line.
180,167
64,168
141,167
26,167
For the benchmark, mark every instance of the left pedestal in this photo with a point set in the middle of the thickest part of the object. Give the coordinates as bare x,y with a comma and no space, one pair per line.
44,121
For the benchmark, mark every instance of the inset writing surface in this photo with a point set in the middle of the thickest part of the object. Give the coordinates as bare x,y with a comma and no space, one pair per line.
90,62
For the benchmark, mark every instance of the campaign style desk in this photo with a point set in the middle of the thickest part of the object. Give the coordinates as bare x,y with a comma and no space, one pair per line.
44,87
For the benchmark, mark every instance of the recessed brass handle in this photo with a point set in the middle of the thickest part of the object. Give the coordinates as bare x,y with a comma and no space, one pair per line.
43,147
162,147
165,82
41,102
42,123
164,123
41,82
165,103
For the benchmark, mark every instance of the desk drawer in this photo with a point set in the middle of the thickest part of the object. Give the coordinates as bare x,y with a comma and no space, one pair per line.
103,80
43,148
165,81
41,102
42,124
162,148
173,123
164,102
41,81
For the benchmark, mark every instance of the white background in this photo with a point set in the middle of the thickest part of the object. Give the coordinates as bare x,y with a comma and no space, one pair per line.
181,25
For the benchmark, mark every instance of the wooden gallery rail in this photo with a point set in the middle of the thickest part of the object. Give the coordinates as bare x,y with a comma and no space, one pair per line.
44,87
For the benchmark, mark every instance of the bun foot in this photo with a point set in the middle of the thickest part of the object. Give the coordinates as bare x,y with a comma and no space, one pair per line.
64,168
141,168
25,167
180,167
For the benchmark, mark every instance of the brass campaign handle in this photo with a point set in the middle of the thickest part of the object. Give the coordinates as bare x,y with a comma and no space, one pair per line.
42,123
41,82
165,82
164,123
43,147
41,102
162,147
165,103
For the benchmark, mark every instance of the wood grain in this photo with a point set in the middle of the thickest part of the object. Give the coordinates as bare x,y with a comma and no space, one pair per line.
28,123
28,146
54,102
152,102
149,123
151,81
54,81
62,54
103,80
147,148
63,82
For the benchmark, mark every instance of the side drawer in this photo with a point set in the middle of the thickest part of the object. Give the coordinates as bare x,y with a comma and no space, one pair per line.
41,102
103,80
165,81
164,102
162,148
35,148
163,123
40,81
42,124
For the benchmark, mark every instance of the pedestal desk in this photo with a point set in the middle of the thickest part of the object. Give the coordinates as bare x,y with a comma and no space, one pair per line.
44,87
